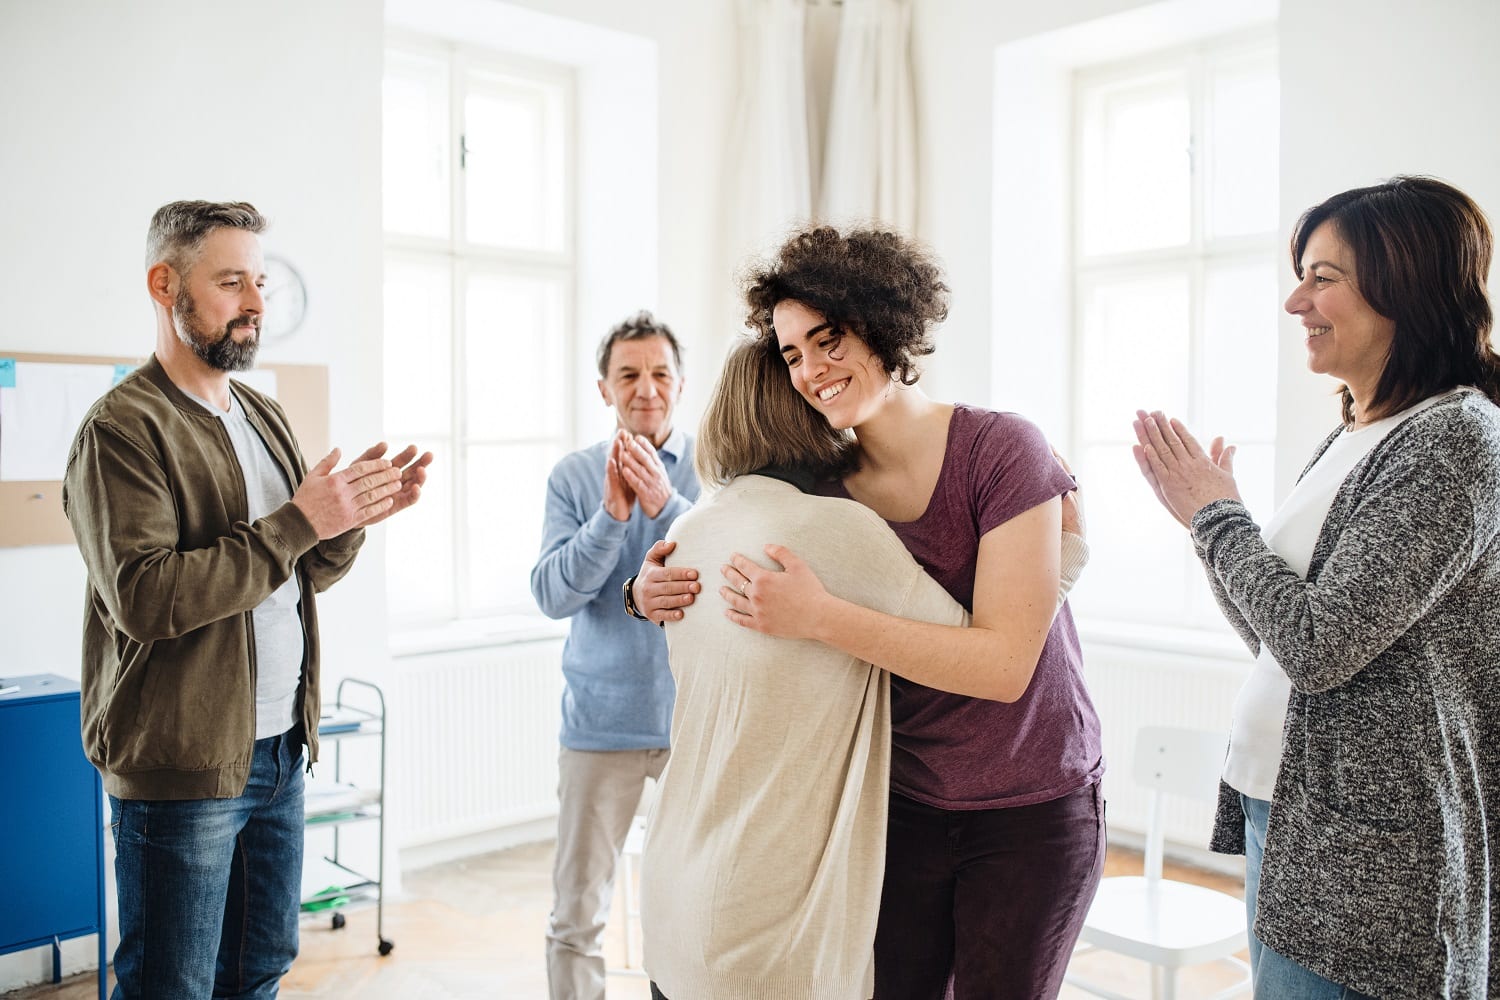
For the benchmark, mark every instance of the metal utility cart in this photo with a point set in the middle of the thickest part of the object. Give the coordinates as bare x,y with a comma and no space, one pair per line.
332,805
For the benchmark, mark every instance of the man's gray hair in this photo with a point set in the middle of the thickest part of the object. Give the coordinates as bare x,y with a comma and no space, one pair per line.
178,229
637,327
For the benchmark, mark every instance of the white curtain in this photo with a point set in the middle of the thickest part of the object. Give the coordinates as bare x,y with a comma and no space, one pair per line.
770,176
870,154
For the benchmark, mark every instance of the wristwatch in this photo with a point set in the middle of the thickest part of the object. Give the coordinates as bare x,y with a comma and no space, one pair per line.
630,608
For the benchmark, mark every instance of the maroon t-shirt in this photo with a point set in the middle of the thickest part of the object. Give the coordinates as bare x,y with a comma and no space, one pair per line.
956,752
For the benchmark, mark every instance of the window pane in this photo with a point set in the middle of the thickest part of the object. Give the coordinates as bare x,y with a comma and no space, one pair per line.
515,181
514,345
1136,549
416,144
1137,166
419,547
418,346
506,500
1134,352
1244,146
1241,325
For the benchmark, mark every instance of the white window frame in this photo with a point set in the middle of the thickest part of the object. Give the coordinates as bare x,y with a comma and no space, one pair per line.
465,258
1196,624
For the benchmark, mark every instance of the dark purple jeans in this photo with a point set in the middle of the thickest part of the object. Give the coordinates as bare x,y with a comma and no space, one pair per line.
986,903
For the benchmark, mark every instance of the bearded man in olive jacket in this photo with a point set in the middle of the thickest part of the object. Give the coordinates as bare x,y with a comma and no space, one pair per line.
205,536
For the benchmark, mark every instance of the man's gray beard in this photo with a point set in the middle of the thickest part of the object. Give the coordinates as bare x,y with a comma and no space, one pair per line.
223,353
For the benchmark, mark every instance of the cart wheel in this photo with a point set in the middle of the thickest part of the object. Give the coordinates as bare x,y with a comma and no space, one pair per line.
386,946
338,921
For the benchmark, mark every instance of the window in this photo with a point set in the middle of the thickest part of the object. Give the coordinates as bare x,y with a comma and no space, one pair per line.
479,279
1175,302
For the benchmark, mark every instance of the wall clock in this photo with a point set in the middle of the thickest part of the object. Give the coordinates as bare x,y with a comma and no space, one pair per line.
286,299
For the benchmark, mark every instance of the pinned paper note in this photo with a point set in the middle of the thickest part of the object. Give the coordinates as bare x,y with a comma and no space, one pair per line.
262,380
120,372
7,373
40,412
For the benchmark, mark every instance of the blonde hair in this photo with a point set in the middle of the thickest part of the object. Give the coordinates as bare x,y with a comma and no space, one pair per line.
756,420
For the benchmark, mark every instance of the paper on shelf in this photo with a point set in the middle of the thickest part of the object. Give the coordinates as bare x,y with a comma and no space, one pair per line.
322,797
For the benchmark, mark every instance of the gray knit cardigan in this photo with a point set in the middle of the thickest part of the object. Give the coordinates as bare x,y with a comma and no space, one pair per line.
1383,848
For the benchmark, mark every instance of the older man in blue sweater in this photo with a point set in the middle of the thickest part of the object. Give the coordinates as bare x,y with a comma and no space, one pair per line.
606,505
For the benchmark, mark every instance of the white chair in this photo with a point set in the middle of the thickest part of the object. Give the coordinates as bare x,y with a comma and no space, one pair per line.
1168,924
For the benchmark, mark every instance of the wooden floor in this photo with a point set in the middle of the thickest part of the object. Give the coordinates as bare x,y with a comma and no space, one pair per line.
475,929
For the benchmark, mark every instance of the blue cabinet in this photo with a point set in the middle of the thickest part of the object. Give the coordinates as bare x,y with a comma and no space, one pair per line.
51,822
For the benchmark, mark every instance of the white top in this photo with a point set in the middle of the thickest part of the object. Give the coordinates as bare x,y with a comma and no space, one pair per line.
1292,533
278,626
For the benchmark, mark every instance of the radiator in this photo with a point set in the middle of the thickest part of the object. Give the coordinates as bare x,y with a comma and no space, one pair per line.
1135,687
473,740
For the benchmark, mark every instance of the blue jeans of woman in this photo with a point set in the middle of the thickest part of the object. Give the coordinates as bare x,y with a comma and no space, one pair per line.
1276,976
209,889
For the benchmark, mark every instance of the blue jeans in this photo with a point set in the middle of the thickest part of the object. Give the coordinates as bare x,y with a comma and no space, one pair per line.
209,889
1276,976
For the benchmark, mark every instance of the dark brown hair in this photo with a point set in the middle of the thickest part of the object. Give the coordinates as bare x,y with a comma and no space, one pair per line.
756,420
1422,259
883,287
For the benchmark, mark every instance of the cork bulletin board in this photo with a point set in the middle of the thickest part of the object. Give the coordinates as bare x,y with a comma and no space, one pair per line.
31,509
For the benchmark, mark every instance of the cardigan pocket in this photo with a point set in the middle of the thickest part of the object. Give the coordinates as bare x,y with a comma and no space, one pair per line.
1340,895
1362,744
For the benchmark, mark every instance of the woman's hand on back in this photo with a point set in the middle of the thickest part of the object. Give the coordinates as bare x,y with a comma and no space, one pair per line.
783,602
1073,521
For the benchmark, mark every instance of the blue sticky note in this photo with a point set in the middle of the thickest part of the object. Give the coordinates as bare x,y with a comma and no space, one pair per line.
7,373
121,371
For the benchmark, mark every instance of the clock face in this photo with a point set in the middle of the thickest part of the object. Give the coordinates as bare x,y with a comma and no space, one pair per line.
286,299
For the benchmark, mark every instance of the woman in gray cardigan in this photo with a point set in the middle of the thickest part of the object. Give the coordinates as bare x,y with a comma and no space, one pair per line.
1363,779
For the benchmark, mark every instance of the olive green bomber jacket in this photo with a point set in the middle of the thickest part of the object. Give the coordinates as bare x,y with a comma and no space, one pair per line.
157,501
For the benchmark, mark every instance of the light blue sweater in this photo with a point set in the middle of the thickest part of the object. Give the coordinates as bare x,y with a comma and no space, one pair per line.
619,688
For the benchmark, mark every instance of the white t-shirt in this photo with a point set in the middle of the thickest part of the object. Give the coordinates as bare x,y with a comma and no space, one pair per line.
278,626
1292,533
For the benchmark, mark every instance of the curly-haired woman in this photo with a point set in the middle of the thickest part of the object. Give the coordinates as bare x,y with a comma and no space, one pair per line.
996,833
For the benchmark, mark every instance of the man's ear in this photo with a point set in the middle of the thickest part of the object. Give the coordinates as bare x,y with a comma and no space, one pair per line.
604,393
162,284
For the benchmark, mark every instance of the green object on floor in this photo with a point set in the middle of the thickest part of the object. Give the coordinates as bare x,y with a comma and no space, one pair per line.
319,902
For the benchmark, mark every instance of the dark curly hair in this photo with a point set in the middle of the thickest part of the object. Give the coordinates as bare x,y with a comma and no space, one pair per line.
879,285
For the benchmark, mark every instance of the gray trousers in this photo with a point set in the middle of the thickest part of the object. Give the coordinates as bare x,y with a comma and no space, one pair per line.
597,792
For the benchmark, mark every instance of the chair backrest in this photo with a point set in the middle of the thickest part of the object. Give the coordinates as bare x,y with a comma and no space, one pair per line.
1175,761
1180,761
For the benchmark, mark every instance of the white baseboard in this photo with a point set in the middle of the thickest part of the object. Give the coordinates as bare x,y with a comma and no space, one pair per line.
499,839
